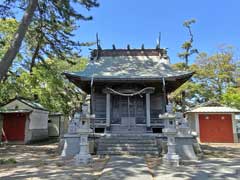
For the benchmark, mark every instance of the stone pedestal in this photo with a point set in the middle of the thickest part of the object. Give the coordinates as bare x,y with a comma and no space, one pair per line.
171,158
71,139
84,156
71,145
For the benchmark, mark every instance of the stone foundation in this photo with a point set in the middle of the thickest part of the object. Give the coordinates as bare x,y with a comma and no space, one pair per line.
185,147
71,145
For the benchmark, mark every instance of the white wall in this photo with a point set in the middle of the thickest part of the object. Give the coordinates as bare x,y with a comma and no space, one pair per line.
193,122
38,120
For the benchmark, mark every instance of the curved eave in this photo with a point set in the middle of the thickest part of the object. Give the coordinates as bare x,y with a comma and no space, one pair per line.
172,82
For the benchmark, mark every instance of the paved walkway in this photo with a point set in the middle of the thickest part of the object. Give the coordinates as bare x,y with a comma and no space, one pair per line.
210,169
126,168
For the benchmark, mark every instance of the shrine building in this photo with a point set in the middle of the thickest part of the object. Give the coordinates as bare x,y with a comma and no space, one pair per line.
128,88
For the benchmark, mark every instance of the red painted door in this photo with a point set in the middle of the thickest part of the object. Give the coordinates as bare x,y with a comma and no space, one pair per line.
14,126
216,128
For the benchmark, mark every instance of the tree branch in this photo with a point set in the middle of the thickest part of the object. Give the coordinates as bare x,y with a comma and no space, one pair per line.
12,51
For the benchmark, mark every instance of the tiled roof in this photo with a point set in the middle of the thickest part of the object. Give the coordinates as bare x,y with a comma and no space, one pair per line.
214,109
9,111
128,52
32,104
29,103
128,67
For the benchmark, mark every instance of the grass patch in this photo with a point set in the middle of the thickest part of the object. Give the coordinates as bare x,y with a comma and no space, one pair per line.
8,161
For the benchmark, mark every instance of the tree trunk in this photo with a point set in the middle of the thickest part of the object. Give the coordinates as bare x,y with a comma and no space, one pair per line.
35,54
15,45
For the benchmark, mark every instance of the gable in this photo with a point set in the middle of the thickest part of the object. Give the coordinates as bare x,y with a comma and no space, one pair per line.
16,104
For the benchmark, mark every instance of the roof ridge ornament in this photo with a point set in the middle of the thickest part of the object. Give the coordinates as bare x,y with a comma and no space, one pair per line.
158,41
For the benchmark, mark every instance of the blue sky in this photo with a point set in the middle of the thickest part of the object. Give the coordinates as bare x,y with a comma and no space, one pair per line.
136,22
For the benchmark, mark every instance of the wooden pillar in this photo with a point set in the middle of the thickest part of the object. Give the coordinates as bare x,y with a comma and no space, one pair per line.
108,102
148,109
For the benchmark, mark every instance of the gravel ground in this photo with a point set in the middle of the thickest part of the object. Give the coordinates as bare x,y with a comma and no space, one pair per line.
41,161
219,161
221,150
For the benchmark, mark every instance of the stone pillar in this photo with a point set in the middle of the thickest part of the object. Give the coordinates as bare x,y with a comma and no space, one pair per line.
148,110
108,109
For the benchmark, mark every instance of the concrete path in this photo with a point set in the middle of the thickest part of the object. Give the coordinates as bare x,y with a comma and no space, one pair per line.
224,168
126,168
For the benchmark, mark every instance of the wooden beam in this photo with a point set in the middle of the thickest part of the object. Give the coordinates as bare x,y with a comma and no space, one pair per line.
108,103
148,118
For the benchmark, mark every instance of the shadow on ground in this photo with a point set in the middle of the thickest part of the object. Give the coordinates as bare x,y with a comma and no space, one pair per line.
220,161
221,150
42,161
126,168
205,169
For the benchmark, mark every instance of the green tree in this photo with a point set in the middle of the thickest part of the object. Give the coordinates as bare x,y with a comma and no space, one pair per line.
45,22
216,73
46,81
187,46
7,29
214,78
16,42
232,97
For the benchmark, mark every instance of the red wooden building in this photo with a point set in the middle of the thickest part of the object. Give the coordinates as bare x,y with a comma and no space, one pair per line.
23,121
214,124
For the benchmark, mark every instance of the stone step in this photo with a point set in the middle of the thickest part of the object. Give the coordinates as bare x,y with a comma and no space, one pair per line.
127,144
121,127
128,140
131,137
140,153
120,144
145,143
135,131
117,148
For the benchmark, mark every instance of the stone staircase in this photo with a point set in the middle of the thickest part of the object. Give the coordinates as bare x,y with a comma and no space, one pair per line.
128,144
121,129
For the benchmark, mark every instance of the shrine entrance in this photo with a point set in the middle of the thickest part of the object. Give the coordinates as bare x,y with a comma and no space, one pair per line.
128,111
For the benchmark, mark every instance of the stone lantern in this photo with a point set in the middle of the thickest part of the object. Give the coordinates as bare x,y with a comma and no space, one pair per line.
171,158
84,157
183,127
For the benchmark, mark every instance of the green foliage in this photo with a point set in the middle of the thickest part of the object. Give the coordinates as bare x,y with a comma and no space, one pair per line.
187,46
189,22
46,81
50,34
48,50
214,79
232,97
7,29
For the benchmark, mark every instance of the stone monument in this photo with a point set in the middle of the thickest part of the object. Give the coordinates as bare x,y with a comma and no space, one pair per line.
171,158
84,157
72,138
